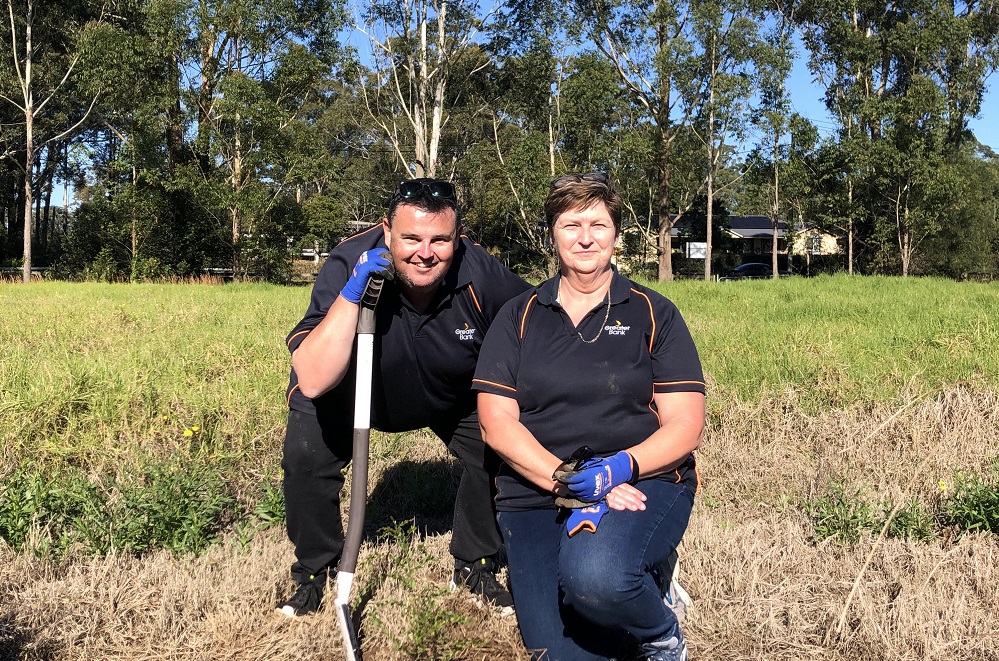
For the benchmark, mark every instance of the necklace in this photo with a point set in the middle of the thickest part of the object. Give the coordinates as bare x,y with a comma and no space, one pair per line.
606,317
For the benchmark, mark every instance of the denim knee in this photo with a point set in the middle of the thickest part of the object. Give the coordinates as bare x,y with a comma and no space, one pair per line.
597,592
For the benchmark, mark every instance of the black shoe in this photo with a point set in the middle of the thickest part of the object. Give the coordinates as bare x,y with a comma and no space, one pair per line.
479,578
306,599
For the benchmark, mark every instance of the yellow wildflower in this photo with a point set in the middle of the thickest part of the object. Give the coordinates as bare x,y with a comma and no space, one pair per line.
188,432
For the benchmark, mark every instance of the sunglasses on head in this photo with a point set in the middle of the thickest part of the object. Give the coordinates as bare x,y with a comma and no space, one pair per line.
599,177
428,189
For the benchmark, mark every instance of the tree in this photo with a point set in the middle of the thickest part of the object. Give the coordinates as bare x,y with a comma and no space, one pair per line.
649,46
416,47
726,41
43,63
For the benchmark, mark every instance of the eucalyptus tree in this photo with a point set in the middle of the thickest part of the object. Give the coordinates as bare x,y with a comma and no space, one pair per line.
42,49
774,59
727,40
649,45
901,80
250,67
416,49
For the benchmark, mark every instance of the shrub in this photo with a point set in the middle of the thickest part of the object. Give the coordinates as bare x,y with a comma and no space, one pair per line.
975,502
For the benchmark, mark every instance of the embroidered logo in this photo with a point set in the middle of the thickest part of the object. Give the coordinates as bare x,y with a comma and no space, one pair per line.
465,333
617,328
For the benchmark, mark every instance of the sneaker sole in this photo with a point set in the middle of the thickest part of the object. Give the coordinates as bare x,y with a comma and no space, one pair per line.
502,611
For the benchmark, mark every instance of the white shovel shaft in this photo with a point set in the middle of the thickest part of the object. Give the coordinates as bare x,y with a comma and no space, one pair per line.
362,397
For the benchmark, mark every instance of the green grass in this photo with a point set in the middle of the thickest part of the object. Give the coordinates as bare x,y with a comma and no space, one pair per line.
105,388
841,340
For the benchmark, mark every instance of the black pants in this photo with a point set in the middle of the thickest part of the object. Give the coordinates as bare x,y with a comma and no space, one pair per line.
316,450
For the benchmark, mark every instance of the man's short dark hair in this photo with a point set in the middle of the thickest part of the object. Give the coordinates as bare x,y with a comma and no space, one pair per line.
426,194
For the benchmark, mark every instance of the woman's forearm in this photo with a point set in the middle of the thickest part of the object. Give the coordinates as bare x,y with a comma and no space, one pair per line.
513,442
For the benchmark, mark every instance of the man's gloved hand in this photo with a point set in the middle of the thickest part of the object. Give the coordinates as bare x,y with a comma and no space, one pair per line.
585,518
597,476
373,262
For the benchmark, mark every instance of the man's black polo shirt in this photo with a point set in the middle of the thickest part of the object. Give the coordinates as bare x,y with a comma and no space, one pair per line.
423,363
571,393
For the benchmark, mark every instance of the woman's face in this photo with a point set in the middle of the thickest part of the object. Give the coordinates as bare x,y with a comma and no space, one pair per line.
584,239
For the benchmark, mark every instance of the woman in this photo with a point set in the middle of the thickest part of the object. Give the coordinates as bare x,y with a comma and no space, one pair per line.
589,358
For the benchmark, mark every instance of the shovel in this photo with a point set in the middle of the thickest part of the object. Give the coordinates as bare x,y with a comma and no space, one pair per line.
359,466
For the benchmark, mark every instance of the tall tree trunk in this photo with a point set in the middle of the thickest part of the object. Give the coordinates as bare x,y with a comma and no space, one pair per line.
849,225
29,158
175,131
665,223
776,210
29,140
709,214
236,217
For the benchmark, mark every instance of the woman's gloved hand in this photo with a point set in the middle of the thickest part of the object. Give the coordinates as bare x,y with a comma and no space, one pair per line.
597,476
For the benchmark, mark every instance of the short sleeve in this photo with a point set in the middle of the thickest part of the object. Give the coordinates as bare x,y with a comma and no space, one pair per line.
676,366
499,357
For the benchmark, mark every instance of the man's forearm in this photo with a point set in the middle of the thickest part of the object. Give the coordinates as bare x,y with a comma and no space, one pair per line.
322,359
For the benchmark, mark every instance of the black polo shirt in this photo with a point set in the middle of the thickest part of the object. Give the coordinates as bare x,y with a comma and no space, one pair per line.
571,393
423,362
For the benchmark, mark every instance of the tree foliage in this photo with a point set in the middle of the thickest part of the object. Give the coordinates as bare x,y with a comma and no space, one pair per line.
195,135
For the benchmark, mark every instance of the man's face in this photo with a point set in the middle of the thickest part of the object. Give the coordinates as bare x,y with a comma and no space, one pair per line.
422,244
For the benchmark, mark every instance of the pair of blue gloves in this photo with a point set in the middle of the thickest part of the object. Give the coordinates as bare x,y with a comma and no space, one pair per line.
377,263
588,482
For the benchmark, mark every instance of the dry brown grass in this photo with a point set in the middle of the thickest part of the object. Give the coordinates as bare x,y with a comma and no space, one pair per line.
762,588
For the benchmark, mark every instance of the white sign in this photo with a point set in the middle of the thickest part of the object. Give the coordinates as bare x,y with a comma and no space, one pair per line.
697,250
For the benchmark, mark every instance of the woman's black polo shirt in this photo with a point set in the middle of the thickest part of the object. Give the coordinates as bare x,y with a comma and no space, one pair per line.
571,393
423,362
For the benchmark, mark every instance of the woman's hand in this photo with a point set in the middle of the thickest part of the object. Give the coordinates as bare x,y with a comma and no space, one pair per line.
626,497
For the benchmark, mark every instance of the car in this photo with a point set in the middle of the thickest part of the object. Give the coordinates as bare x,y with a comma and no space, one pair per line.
753,271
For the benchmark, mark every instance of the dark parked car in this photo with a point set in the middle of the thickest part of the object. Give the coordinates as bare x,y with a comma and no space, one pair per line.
753,271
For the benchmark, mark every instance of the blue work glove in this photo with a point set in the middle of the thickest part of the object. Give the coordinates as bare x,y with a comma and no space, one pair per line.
597,476
372,262
585,518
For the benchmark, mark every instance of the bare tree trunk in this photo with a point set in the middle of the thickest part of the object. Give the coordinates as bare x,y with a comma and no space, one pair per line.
29,138
776,210
175,132
709,214
665,223
46,229
235,216
849,225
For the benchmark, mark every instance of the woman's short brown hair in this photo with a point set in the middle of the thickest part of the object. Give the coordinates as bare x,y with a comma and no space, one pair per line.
580,191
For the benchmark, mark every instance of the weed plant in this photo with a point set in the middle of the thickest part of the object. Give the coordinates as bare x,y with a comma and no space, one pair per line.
974,504
845,515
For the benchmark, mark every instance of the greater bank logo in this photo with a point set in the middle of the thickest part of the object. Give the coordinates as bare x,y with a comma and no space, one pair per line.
617,328
465,333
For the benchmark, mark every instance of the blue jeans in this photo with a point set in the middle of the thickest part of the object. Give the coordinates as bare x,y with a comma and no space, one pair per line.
591,596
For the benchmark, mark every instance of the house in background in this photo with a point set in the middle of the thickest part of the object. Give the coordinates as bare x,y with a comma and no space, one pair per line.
746,239
754,237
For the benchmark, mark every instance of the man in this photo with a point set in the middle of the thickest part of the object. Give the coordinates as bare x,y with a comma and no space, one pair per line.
430,322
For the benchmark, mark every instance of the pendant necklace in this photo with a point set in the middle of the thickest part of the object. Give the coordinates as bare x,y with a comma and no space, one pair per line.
606,317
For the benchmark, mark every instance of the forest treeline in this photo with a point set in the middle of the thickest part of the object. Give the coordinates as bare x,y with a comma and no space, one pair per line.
200,134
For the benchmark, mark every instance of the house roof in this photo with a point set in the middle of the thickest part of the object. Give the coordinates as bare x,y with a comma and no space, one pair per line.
755,227
742,227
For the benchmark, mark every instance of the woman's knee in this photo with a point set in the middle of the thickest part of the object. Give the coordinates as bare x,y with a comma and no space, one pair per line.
598,590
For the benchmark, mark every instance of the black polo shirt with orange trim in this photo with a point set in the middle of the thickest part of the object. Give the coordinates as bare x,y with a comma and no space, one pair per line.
573,393
423,362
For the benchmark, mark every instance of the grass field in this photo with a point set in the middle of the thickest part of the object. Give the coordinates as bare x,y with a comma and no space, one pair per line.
850,448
